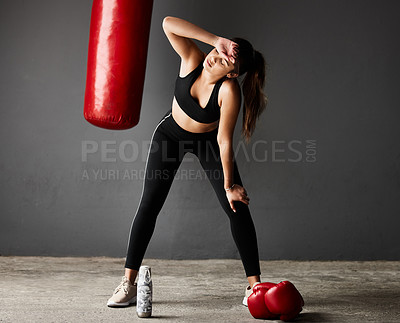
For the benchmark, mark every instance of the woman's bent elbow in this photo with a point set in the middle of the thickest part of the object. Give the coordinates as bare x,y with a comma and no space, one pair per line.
165,21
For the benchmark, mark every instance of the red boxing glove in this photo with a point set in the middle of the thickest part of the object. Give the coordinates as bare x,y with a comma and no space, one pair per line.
256,302
284,300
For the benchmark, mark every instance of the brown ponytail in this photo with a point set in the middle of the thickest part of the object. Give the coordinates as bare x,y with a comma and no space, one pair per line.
253,64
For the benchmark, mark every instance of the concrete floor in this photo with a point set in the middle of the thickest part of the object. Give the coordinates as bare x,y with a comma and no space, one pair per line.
51,289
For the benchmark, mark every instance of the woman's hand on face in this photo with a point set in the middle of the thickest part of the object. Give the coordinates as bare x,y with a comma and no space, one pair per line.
237,193
227,48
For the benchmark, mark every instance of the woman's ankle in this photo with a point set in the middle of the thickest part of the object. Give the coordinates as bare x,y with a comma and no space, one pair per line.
131,274
253,279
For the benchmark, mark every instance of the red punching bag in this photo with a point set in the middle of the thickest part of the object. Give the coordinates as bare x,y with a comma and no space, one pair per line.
118,42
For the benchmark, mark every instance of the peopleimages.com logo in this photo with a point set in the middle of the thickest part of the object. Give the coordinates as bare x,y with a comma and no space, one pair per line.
108,152
128,151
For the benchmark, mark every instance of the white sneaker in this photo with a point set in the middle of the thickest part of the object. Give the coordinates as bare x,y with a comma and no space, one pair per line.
248,292
124,294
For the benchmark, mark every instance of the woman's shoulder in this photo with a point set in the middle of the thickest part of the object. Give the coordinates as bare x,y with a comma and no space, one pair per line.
230,90
230,86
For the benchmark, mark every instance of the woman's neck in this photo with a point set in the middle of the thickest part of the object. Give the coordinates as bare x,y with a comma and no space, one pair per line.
208,79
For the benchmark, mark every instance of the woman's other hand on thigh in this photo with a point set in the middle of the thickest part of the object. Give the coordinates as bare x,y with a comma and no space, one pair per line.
237,193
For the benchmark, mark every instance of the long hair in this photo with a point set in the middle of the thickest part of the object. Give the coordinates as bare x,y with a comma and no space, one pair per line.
252,63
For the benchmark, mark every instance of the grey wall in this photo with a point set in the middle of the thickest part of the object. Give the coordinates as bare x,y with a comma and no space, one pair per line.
334,69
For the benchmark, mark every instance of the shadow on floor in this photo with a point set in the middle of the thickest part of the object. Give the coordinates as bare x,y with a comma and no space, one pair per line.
315,317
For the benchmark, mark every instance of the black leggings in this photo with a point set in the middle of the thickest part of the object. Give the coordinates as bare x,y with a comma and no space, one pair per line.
168,146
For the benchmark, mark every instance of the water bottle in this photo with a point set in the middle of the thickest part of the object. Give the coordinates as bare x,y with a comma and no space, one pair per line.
144,298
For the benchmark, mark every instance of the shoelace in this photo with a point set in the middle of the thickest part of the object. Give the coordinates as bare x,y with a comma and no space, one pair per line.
123,285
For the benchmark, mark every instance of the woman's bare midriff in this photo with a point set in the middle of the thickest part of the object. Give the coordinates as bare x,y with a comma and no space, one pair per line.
187,123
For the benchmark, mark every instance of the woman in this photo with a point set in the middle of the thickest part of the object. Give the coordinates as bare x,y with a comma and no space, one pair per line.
204,112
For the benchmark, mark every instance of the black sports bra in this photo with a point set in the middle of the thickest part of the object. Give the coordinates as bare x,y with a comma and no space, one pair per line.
188,104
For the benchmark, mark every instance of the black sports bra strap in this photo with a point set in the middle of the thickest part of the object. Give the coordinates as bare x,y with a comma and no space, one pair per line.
193,72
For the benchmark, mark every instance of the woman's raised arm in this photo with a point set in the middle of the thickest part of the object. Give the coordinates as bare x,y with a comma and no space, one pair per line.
180,34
